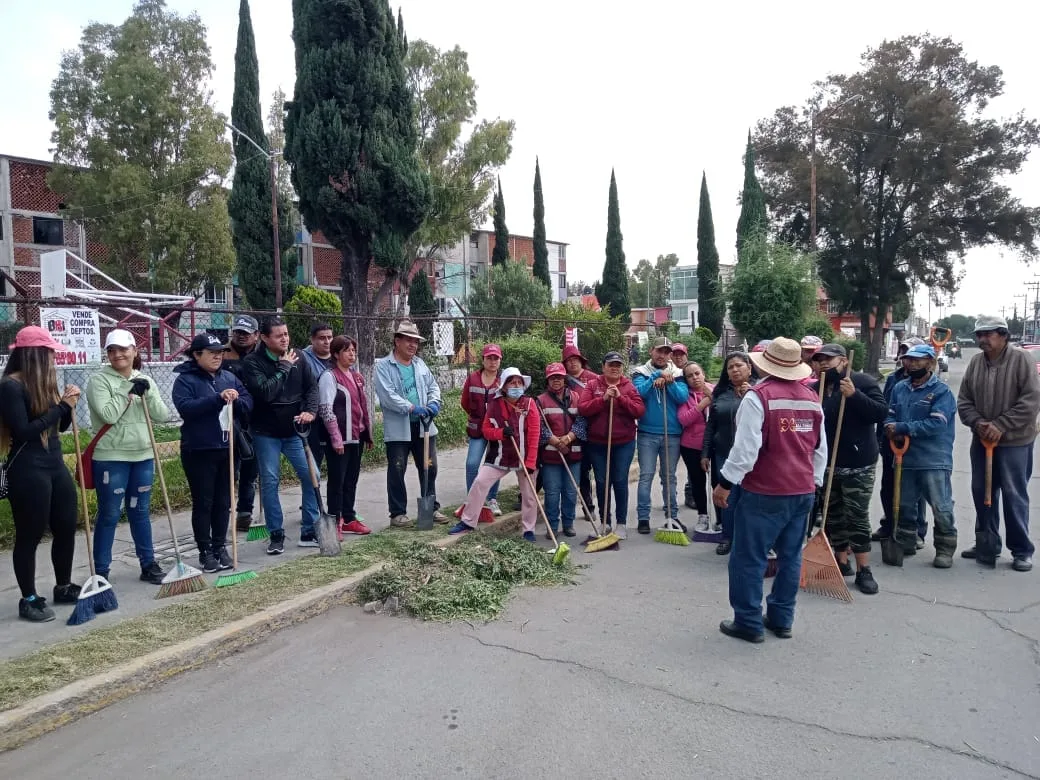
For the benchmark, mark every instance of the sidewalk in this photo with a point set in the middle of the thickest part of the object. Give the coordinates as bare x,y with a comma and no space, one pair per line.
18,637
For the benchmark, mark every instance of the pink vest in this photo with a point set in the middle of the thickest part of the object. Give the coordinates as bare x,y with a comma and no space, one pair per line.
790,433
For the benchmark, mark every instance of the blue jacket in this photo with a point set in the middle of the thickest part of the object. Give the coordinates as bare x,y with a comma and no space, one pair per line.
927,414
396,408
196,396
652,420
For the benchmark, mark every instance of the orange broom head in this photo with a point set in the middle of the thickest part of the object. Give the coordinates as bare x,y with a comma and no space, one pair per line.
820,572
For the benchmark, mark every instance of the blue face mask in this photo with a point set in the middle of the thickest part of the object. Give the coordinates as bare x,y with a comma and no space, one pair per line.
515,392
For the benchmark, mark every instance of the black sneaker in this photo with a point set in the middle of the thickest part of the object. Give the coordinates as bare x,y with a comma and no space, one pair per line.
243,520
208,562
878,535
307,540
865,581
569,531
152,573
66,594
643,528
35,610
277,544
223,559
846,568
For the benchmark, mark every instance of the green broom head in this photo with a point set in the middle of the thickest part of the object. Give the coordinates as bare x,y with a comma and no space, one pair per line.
670,534
181,580
561,553
95,596
257,533
234,578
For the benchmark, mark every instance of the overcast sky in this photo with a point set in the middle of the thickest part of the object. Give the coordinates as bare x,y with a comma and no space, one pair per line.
657,90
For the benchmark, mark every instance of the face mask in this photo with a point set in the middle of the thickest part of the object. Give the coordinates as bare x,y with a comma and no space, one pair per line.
917,373
515,392
834,375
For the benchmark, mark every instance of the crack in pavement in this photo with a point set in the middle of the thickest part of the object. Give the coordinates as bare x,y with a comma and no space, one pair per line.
973,754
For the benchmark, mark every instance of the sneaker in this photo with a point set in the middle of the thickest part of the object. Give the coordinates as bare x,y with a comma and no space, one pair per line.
440,517
66,594
878,535
970,553
224,560
496,510
208,562
920,543
701,526
529,536
243,520
152,573
400,521
723,548
307,539
643,527
865,581
716,527
355,527
568,530
621,531
846,568
460,528
1022,563
35,610
277,544
942,560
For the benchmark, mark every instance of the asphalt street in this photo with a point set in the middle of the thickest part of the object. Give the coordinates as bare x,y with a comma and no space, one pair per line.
622,675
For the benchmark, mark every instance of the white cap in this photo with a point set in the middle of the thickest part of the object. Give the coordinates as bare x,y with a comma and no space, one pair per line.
120,338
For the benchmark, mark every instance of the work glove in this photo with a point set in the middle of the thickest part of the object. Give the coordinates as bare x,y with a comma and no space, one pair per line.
507,431
421,411
139,386
434,408
531,471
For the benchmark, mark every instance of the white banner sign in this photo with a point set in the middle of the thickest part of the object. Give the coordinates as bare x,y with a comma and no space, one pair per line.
76,329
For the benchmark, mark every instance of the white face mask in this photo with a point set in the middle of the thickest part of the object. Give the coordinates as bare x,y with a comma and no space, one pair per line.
225,421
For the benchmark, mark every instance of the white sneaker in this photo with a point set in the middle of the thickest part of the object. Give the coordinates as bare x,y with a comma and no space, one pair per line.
496,510
716,527
621,531
702,524
400,521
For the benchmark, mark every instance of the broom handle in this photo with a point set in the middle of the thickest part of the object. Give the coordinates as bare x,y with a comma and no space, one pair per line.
541,509
667,460
834,451
989,447
162,480
610,444
585,507
231,483
83,493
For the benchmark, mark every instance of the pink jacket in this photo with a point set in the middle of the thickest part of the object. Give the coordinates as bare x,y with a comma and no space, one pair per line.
693,420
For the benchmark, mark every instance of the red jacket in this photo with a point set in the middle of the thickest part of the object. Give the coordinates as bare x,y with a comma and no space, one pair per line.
628,408
527,428
475,397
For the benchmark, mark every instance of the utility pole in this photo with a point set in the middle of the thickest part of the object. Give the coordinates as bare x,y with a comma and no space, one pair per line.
1031,336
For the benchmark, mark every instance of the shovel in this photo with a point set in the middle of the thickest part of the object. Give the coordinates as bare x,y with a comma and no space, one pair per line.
427,502
891,549
327,528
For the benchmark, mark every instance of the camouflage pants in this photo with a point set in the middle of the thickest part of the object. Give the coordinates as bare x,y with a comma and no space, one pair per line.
848,514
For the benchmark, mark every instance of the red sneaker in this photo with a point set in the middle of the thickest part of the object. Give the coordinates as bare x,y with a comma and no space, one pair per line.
355,527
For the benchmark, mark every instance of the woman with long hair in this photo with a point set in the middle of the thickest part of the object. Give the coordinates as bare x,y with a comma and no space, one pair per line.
124,465
40,488
343,409
738,374
693,417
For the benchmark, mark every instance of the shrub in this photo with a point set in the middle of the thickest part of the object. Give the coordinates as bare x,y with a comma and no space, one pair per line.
705,334
598,332
700,350
858,347
309,305
817,324
531,355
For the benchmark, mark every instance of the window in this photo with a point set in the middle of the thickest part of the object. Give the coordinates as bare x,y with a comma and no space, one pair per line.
216,295
474,240
680,313
49,231
563,251
683,284
563,281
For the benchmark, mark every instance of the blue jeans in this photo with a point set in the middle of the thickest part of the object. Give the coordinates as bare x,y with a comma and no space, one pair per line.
474,458
761,523
268,451
651,450
620,462
888,481
725,514
932,486
1012,469
119,484
561,497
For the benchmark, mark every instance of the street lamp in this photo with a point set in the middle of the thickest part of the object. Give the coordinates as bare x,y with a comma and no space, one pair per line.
274,214
812,165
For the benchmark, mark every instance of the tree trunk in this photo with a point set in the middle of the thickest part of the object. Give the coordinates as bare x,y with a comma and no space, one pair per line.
877,340
357,311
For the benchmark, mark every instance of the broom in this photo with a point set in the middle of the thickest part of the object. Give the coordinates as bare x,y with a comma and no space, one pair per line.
559,551
259,532
96,595
235,577
820,572
182,578
669,533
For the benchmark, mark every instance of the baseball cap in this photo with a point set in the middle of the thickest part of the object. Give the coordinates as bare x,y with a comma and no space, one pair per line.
120,338
206,341
661,342
492,350
245,323
555,369
677,347
831,350
921,351
985,323
612,357
35,336
811,342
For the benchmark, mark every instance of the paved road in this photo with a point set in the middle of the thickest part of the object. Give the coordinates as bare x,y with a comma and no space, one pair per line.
622,675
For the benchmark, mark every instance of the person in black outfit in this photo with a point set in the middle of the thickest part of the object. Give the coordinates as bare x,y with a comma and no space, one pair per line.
244,335
40,487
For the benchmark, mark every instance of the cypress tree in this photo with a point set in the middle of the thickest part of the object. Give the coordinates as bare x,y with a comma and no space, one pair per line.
753,222
249,204
613,289
541,251
501,251
422,306
711,309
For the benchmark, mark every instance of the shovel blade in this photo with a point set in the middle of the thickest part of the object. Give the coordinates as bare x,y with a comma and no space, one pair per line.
891,551
327,532
427,506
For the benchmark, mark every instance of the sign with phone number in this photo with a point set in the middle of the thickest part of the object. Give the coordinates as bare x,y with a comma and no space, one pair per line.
77,329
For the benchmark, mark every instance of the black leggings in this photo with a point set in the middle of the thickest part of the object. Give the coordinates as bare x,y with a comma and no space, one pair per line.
341,489
208,473
42,497
697,478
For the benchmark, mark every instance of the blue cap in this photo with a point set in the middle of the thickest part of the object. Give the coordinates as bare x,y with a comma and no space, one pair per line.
920,351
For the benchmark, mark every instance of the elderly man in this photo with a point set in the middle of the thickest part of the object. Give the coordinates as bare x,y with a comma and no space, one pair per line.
778,460
409,399
999,401
659,429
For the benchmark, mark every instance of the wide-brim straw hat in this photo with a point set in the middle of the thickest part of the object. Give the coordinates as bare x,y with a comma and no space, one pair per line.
408,329
782,359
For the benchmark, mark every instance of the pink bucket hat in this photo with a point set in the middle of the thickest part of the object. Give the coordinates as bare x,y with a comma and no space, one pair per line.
35,336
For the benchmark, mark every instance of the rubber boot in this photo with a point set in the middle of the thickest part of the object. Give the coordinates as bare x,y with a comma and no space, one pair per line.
945,547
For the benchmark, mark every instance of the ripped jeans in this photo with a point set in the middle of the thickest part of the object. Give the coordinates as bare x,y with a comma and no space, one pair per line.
118,483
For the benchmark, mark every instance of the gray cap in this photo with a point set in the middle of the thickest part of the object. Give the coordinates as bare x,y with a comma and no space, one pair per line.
986,323
661,342
830,350
245,323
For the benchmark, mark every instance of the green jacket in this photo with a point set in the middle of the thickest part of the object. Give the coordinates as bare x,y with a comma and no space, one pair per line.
127,440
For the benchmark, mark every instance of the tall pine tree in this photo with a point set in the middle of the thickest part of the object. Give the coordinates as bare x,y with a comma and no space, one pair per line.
500,253
352,140
249,204
613,289
753,221
541,251
422,307
711,309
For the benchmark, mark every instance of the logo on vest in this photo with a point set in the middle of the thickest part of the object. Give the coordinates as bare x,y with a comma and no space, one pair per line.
796,424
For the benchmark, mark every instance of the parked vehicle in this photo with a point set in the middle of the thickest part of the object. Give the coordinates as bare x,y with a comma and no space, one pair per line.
953,350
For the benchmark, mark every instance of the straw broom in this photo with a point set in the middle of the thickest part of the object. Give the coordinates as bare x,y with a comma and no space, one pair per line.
560,550
235,577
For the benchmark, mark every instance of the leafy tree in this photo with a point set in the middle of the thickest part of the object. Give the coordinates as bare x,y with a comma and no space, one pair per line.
579,287
308,305
541,251
711,308
918,182
963,327
422,307
530,353
500,253
772,292
351,139
653,278
276,139
598,332
250,202
753,222
462,172
817,324
139,150
513,294
613,290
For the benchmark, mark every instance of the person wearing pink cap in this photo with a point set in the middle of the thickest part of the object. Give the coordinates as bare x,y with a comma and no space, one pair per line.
40,488
479,388
578,377
561,448
680,355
